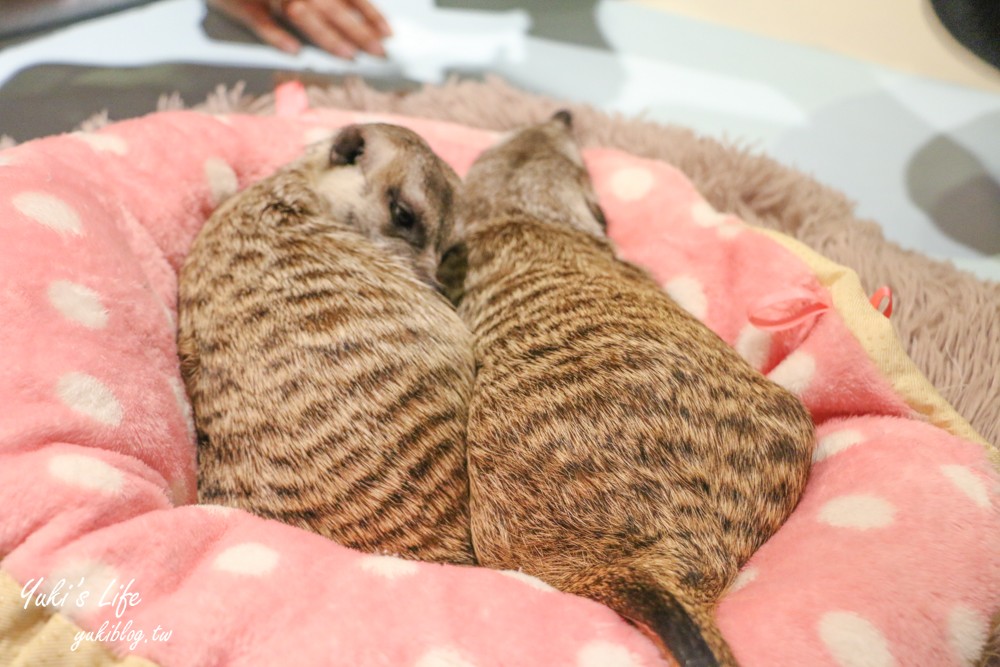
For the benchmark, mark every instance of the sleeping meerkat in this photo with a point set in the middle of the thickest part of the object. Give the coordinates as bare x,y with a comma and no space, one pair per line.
329,378
618,449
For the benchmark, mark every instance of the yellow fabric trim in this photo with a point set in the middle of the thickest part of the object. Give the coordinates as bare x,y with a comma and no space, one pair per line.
35,637
879,340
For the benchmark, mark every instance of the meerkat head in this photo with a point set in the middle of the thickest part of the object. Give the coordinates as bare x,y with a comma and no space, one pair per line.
539,172
385,182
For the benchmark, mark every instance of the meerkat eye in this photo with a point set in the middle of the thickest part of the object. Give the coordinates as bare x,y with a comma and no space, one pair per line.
406,223
402,216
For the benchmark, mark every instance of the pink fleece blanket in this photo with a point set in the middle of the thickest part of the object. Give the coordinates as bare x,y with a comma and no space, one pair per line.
890,558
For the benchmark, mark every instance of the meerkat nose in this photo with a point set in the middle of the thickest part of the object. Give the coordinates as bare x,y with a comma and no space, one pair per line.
348,146
564,117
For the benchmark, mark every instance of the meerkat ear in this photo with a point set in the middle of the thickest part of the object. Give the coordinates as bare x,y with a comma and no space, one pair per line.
564,117
347,147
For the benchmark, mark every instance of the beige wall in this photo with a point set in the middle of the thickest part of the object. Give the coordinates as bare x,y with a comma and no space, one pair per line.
903,34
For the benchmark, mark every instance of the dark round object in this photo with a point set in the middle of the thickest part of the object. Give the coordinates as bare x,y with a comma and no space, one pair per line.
975,24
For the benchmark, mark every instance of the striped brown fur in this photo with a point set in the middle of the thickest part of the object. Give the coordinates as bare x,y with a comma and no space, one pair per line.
618,449
329,377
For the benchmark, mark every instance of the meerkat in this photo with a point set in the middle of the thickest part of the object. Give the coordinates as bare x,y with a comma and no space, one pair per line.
618,448
329,376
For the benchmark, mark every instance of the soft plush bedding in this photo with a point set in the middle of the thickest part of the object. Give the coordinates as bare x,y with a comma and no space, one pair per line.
889,559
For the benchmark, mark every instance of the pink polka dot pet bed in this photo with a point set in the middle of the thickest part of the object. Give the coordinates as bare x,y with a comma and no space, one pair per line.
889,559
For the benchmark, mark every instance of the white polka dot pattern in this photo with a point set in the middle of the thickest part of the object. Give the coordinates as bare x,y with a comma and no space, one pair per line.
967,633
389,567
729,231
858,511
754,345
746,577
50,211
726,226
217,510
534,582
87,395
78,303
689,294
795,373
88,575
600,653
836,442
968,483
854,641
249,558
221,179
86,472
107,143
704,215
632,183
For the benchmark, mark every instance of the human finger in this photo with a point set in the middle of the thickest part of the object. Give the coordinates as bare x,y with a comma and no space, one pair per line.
373,16
313,24
256,17
351,25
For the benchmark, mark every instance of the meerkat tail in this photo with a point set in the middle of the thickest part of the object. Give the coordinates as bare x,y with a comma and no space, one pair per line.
684,631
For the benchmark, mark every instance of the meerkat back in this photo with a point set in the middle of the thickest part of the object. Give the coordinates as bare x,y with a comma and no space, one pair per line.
329,378
618,449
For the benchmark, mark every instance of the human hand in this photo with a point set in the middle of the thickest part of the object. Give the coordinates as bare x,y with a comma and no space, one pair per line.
341,27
